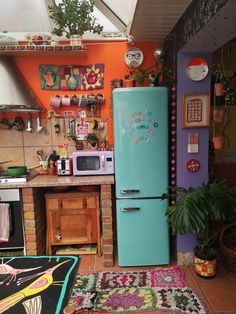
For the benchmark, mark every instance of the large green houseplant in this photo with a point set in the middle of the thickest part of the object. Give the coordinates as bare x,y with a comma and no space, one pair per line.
195,207
74,17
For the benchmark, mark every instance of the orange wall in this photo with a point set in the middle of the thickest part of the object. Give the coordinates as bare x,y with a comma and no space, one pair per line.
109,53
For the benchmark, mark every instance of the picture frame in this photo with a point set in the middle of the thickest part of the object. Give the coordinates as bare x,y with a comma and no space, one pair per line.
195,110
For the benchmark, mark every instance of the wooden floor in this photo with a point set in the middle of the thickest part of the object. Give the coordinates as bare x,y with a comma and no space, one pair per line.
218,294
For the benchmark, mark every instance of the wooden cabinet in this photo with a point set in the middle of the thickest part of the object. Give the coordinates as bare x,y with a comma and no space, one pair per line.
73,218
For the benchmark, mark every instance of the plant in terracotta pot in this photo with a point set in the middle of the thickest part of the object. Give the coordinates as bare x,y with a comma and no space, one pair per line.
74,17
136,76
74,138
194,208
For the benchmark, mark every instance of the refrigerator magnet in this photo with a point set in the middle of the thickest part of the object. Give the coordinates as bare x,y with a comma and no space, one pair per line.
193,165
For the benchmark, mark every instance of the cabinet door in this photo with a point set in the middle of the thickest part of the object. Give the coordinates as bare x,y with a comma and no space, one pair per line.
74,220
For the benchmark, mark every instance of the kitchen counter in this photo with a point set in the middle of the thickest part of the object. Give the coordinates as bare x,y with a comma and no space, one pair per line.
53,181
33,204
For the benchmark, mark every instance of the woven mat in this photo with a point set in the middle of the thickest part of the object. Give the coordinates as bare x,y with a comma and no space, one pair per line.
134,291
36,284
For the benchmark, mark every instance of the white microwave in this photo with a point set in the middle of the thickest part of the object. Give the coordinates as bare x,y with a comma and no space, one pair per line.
92,162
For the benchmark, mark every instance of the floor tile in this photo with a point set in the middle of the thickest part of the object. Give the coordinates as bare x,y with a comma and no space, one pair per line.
221,297
87,262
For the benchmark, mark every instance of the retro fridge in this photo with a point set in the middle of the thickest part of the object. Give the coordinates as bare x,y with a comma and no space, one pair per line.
141,174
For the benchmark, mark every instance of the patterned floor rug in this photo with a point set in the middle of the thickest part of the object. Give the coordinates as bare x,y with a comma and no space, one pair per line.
136,291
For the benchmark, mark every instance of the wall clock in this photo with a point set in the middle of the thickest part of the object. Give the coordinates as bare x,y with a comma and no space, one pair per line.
197,69
134,57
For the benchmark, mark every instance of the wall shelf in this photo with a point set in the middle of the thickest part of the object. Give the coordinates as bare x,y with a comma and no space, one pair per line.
40,49
19,108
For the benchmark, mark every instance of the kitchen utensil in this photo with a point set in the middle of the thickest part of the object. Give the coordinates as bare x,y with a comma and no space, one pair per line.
16,170
39,126
34,167
57,126
72,126
40,154
4,162
29,124
18,124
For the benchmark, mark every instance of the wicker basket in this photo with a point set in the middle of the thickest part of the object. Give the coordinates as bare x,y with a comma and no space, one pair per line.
227,240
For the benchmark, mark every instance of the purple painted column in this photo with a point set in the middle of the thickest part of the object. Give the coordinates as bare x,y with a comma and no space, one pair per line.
186,243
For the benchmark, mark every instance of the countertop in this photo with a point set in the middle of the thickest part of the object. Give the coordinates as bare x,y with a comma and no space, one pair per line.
46,181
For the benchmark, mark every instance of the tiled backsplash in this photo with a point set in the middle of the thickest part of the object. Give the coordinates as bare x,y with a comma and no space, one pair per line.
21,146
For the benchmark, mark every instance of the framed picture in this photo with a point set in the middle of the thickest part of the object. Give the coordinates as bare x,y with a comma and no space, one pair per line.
195,110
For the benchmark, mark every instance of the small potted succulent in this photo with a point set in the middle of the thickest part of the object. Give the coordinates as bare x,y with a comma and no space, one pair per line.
72,18
192,212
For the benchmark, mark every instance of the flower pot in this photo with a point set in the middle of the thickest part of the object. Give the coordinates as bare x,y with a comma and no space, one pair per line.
205,262
218,89
218,115
79,145
129,83
218,142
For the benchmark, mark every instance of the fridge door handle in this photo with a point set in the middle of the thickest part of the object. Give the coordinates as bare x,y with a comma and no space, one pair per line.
125,191
127,209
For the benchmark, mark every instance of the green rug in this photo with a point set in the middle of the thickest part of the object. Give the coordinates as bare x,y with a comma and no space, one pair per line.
136,291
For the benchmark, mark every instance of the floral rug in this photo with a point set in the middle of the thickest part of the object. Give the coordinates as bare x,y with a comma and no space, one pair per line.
136,291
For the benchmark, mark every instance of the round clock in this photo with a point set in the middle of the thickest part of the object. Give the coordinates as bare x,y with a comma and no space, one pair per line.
197,69
134,57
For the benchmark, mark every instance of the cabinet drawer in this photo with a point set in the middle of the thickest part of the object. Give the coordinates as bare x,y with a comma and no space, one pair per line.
72,203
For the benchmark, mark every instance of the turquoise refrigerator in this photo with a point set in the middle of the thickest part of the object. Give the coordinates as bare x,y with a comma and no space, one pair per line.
140,118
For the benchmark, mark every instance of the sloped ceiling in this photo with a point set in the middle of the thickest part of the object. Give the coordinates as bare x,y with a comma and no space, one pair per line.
153,20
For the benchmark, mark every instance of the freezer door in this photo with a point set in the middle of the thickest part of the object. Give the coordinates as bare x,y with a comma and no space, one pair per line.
142,232
141,141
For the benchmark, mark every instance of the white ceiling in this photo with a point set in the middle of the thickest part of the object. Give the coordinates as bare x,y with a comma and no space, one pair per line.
153,20
145,20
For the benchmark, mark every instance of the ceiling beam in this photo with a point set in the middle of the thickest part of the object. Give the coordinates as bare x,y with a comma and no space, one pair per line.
110,15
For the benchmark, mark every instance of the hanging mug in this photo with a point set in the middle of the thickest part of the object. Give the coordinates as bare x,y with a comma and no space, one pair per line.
65,101
55,101
74,100
83,101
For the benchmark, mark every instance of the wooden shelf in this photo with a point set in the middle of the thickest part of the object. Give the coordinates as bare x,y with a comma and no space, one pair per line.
40,49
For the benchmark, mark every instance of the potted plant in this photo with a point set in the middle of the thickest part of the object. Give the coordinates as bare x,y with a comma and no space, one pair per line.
92,140
74,138
136,76
74,18
193,210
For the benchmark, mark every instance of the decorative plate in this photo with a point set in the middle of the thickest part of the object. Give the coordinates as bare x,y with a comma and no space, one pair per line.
197,69
134,57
